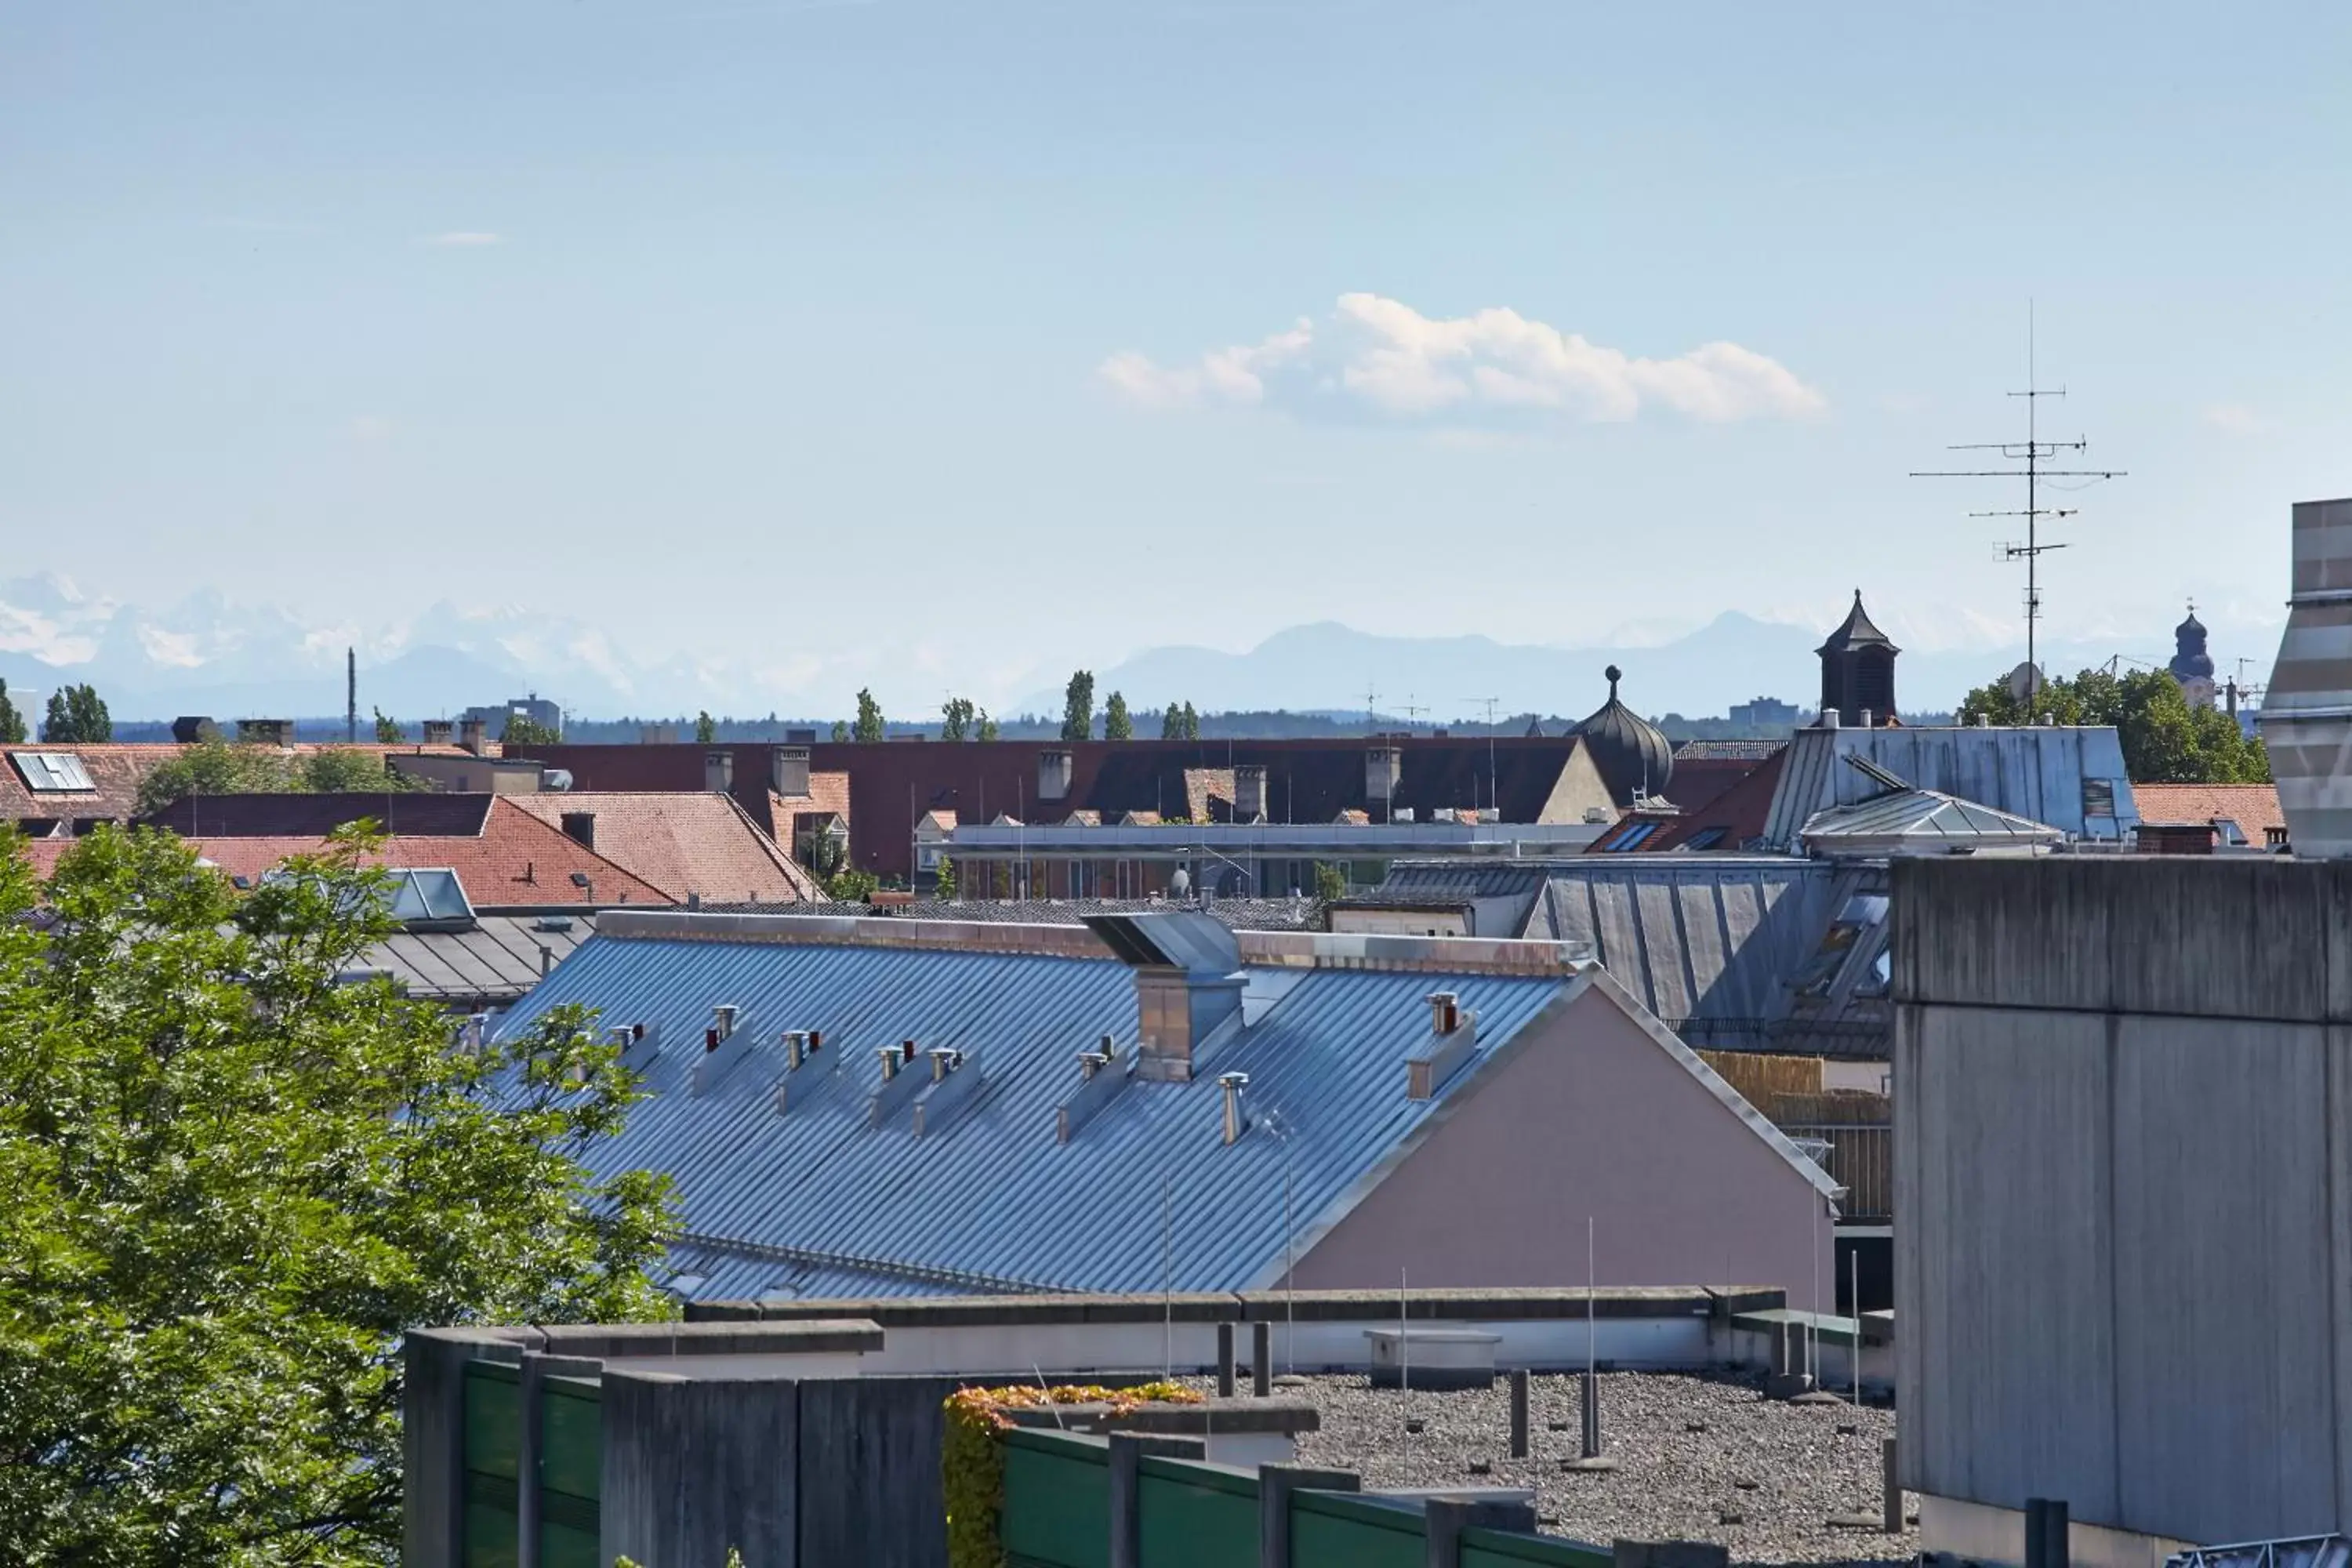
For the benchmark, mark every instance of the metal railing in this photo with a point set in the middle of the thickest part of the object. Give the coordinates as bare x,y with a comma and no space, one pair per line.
1860,1159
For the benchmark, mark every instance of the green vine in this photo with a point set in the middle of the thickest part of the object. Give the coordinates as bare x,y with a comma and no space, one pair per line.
973,1458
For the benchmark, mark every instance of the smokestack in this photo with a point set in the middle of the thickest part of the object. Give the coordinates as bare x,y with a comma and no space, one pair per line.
718,770
473,735
434,732
1233,1084
350,694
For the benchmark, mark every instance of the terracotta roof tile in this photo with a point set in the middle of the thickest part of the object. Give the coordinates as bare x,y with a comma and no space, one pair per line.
685,845
517,861
2254,807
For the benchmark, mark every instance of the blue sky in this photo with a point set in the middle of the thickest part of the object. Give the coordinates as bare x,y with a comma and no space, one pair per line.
793,333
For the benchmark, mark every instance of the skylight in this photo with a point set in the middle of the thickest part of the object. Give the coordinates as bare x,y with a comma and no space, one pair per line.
48,771
1631,837
428,897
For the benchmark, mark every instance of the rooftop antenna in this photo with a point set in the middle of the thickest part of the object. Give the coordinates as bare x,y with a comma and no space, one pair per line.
2035,453
1372,709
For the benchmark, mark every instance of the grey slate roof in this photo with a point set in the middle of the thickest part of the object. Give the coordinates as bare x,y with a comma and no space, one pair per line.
1719,947
819,1201
492,965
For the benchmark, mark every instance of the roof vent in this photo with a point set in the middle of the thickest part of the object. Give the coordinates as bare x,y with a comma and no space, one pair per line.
436,731
1453,1037
1232,1083
1054,770
1829,719
1099,1078
1188,984
473,735
725,1015
1865,716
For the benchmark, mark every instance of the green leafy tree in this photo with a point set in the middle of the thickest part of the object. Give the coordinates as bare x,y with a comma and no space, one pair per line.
869,718
1190,723
987,731
1078,706
1330,882
522,729
217,767
706,728
230,1183
947,879
2165,740
338,770
12,722
214,767
1171,723
1116,724
387,730
840,732
77,716
956,716
850,887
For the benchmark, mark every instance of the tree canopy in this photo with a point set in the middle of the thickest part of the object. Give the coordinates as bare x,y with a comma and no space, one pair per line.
1117,725
230,1183
1078,706
987,731
1179,723
12,722
522,729
706,728
2165,740
869,718
77,716
387,729
956,716
220,767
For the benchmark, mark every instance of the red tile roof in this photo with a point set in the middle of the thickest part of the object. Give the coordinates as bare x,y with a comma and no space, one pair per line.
1726,821
683,844
2254,807
117,769
517,861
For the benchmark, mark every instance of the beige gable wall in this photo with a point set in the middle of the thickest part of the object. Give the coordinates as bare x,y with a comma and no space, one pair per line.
1579,786
1586,1115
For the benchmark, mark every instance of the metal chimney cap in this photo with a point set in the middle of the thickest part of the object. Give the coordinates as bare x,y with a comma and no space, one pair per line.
1232,1079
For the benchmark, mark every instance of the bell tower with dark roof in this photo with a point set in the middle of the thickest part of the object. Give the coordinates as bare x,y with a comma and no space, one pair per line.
1858,670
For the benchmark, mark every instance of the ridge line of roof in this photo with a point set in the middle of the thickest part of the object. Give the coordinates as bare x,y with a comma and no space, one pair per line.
1268,949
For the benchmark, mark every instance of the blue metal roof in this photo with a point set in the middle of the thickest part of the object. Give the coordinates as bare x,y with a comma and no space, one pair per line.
815,1197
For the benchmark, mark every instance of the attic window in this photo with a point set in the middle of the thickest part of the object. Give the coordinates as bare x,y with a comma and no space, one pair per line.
1860,912
46,773
2230,832
1632,839
1706,838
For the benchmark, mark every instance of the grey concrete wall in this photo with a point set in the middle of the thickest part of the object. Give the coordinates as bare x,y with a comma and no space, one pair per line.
433,1439
693,1467
1587,1115
2127,1236
870,1490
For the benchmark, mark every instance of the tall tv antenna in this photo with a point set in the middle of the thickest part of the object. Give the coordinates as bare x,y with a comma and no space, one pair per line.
2035,454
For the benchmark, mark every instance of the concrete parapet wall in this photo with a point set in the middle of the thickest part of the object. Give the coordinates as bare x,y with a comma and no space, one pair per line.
2123,1091
2218,938
694,1468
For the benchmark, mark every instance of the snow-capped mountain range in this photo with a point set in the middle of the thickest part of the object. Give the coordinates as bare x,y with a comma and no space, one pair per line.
208,654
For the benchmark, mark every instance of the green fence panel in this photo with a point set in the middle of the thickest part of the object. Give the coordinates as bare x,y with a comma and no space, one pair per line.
1333,1529
1196,1516
571,1472
493,1448
1056,1501
1483,1548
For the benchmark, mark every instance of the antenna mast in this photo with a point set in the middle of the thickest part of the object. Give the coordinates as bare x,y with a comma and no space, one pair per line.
2035,453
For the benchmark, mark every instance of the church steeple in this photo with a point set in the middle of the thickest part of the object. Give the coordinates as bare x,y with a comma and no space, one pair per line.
1858,670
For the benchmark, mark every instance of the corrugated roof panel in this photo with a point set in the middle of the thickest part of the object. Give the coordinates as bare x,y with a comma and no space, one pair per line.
1676,981
994,1196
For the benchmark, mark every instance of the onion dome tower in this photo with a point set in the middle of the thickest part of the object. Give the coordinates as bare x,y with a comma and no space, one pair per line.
1631,752
2192,665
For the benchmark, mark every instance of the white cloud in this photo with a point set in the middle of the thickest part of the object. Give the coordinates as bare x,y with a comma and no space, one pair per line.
1380,357
464,238
2235,418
